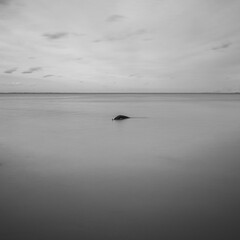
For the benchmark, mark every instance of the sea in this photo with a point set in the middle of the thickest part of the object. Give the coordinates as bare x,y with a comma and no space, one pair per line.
69,172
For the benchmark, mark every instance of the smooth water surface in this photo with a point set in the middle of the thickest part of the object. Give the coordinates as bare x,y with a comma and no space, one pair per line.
67,171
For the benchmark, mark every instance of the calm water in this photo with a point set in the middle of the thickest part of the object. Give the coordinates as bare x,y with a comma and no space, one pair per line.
68,172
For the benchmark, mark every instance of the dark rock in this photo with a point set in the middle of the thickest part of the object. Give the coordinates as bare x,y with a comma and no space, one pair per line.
120,117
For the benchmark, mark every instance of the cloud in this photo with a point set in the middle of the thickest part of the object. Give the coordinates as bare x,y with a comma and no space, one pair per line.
49,75
124,36
222,46
139,31
115,18
5,2
54,36
11,70
31,70
97,40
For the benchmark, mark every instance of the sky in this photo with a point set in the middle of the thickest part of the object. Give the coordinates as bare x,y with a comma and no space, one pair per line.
119,45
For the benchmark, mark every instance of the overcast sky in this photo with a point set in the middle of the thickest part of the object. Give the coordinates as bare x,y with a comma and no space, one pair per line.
120,45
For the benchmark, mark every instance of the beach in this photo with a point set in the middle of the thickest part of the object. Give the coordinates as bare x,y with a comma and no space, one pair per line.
171,171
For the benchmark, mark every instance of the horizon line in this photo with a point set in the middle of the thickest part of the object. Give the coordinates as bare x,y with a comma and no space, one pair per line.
237,92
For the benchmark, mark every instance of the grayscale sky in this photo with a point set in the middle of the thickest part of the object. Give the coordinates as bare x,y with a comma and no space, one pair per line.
119,45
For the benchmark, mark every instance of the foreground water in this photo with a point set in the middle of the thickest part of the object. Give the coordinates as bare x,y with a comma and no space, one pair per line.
68,172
